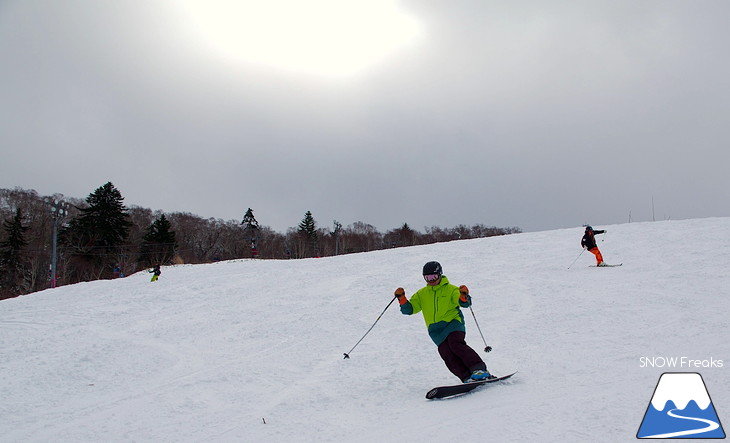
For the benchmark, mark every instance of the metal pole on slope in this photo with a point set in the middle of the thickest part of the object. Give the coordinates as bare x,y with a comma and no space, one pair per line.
347,354
59,210
576,259
487,348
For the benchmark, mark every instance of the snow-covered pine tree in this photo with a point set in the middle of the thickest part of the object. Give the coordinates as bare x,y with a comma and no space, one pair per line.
251,228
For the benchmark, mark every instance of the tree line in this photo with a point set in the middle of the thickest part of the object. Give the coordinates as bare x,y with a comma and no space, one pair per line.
101,238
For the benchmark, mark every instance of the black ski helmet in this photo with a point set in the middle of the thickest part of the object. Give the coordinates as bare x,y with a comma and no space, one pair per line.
432,267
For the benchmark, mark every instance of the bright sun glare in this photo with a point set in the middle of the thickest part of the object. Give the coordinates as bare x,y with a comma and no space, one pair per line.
322,37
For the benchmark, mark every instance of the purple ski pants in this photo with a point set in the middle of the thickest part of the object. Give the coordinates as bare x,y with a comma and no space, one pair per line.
459,357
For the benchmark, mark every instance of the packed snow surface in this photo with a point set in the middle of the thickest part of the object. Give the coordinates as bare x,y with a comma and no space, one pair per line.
252,350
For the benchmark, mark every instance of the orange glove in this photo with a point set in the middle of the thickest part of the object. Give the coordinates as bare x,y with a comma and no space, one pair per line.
400,293
464,291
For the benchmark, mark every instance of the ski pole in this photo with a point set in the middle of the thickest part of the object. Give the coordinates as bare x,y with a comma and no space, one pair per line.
486,347
576,259
347,354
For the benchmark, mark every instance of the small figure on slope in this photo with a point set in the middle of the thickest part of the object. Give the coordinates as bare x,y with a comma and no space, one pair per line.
589,242
440,302
156,273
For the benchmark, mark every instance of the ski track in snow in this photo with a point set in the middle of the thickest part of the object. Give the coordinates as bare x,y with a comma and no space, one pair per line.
253,350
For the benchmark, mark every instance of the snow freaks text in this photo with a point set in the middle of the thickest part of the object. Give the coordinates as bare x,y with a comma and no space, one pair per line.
679,362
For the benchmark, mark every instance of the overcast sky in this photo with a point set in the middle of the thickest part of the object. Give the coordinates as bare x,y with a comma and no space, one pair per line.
537,114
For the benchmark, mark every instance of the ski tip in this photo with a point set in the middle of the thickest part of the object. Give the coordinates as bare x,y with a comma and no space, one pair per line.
505,377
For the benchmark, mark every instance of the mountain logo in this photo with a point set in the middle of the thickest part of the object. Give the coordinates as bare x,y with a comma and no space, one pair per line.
680,408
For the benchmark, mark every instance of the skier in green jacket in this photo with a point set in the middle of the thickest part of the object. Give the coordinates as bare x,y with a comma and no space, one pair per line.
440,303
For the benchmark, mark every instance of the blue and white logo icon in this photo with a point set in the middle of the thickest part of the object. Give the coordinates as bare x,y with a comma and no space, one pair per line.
680,408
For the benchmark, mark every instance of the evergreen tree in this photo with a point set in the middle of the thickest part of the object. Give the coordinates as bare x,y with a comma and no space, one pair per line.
159,243
12,267
308,232
308,227
251,229
407,235
99,233
249,221
106,220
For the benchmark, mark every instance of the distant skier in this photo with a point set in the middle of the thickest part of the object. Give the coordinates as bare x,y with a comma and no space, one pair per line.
589,242
440,302
156,273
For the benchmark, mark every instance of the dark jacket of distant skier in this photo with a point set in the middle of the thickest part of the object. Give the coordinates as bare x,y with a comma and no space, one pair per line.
589,240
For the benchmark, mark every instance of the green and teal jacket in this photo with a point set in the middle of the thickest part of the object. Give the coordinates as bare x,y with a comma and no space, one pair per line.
440,305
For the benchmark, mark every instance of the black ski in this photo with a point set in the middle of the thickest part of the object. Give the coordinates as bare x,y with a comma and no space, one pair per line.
448,391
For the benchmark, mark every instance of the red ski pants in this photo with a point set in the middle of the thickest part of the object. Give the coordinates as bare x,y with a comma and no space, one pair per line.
597,253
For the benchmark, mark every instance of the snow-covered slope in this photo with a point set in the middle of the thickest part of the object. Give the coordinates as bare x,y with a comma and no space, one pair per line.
253,350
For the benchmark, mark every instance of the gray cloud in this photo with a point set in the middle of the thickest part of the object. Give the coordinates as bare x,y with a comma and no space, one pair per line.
529,113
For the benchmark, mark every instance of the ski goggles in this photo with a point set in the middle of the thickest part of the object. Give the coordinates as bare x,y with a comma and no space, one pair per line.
431,277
